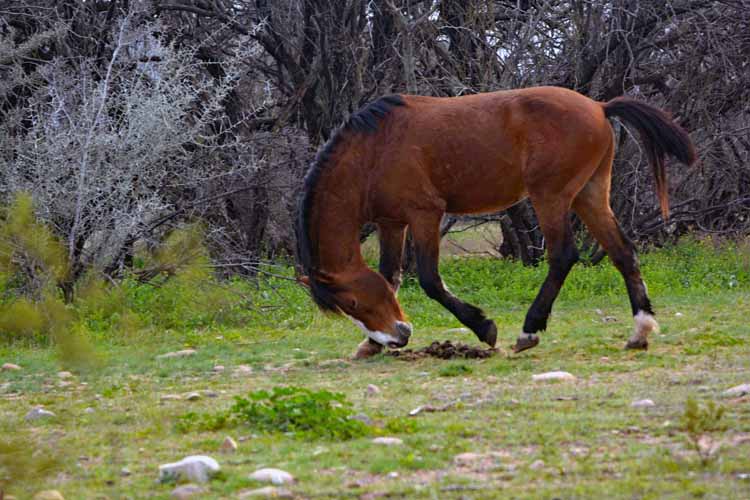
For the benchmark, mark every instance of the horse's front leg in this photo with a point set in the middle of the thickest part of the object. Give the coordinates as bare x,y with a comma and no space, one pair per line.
425,230
391,237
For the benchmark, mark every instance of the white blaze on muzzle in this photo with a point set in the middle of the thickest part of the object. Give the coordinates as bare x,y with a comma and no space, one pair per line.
381,338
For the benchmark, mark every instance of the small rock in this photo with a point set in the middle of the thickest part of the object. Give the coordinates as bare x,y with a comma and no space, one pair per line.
388,441
89,410
609,319
536,465
604,359
218,368
125,472
229,445
170,397
64,374
542,377
468,458
243,370
187,491
38,413
267,492
270,475
738,390
177,354
7,367
678,314
198,468
393,474
211,394
642,403
363,418
372,389
193,396
49,495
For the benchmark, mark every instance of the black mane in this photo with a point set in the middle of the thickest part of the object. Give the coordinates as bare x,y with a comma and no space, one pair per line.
364,121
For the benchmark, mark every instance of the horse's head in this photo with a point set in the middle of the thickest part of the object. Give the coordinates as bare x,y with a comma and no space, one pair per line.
367,298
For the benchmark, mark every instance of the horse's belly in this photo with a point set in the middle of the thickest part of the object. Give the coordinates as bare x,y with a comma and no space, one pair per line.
484,194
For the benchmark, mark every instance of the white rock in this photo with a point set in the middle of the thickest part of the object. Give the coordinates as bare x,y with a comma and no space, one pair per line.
49,495
177,354
541,377
64,374
198,468
243,370
393,474
193,396
267,492
218,368
678,314
125,472
187,491
388,441
270,475
738,390
372,389
536,465
642,403
229,445
170,397
89,410
10,367
38,413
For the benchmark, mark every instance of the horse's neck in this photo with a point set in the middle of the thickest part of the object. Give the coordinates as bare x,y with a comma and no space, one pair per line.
338,209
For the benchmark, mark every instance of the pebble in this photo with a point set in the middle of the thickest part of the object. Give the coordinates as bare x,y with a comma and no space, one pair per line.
125,472
372,389
642,403
193,396
243,370
89,410
170,397
218,368
541,377
187,491
229,445
363,418
393,474
738,390
198,468
267,492
177,354
270,475
64,374
536,465
678,314
49,495
10,367
388,441
38,413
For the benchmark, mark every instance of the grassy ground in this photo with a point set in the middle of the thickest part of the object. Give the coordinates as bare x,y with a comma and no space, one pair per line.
583,438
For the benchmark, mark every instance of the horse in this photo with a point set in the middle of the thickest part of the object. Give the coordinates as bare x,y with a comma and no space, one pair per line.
403,161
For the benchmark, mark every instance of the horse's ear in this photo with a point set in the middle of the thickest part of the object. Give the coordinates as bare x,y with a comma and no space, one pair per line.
304,281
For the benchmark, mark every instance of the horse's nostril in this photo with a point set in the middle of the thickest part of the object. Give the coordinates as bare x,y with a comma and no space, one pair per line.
404,328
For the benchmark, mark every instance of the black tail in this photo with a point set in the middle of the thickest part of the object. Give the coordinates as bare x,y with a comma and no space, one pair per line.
660,135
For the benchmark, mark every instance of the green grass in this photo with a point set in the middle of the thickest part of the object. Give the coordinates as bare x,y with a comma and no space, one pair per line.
592,442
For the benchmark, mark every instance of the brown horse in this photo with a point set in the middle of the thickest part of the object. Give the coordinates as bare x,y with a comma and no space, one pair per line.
404,161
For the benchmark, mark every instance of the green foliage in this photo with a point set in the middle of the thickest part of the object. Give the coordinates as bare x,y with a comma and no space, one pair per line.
455,370
291,410
21,460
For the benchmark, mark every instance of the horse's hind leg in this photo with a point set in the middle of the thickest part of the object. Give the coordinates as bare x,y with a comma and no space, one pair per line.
562,255
592,205
425,230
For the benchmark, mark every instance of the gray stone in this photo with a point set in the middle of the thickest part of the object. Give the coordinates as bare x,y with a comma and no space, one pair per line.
187,491
372,390
642,403
193,396
536,465
270,475
38,413
218,368
229,445
550,376
738,390
198,468
177,354
89,410
388,441
362,418
125,472
64,374
170,397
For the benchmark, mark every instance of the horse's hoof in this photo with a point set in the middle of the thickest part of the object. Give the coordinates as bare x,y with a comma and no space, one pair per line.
487,332
640,344
526,341
367,349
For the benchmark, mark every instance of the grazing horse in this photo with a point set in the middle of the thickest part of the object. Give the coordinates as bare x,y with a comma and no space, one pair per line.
405,161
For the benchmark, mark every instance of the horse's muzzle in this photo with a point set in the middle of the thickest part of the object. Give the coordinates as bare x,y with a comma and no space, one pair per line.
403,331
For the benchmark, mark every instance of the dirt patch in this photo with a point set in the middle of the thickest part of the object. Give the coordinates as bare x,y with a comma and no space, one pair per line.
443,350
